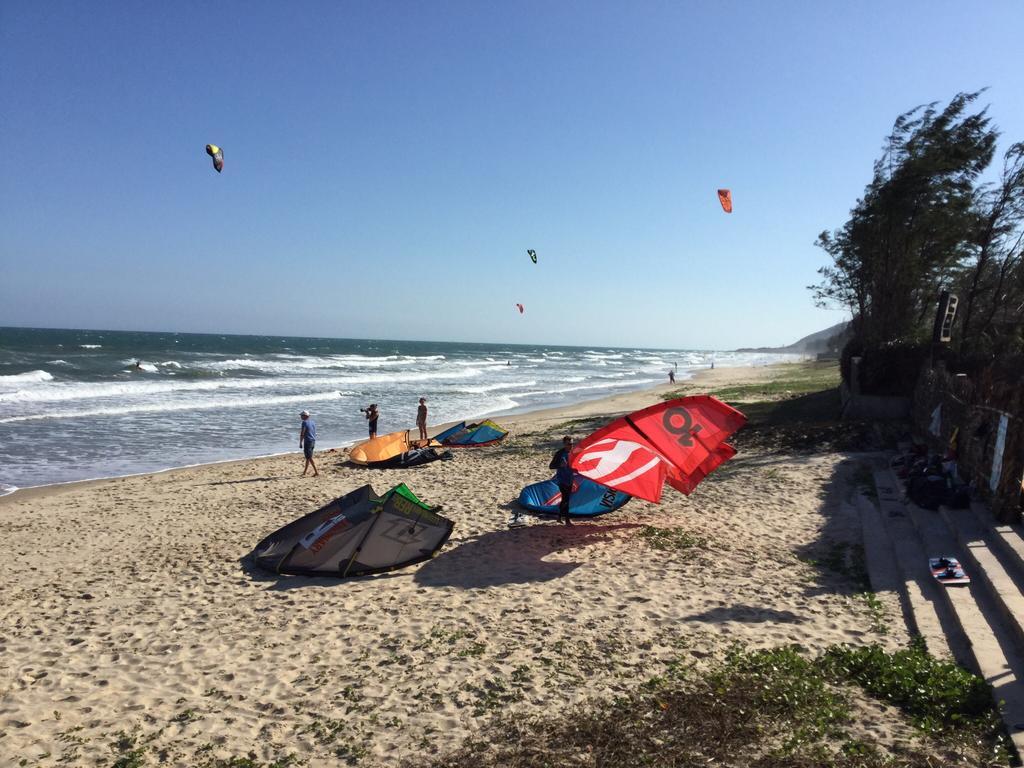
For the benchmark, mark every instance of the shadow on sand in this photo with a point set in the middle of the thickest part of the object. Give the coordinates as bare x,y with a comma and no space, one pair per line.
492,559
512,557
248,480
750,614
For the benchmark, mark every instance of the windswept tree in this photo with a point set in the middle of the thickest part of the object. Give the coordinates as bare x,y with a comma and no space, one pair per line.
909,235
992,283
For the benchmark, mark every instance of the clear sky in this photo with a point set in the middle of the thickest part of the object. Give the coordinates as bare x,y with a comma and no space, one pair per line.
388,164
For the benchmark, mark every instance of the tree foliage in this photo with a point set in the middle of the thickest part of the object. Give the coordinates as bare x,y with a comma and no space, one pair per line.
925,224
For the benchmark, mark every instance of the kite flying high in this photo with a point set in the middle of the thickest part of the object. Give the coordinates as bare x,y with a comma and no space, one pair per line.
533,255
218,156
725,198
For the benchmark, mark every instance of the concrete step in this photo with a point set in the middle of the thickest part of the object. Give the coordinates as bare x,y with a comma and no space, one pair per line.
929,613
993,651
1006,540
977,542
885,551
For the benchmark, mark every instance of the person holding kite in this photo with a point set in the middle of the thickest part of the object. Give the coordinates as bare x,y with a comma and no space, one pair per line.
563,476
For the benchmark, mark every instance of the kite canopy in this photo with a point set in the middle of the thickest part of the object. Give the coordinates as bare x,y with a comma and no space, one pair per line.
588,498
394,450
358,534
475,435
533,255
218,156
725,198
679,441
520,307
441,437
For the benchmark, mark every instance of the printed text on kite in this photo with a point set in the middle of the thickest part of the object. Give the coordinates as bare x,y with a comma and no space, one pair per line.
677,442
218,156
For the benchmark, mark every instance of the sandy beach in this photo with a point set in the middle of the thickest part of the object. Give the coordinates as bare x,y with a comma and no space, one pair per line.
132,620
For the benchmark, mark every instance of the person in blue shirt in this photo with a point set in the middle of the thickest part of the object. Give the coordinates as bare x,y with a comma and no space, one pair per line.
307,441
563,476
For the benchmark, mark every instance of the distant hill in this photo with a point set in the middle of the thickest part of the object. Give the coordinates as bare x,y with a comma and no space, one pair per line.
809,345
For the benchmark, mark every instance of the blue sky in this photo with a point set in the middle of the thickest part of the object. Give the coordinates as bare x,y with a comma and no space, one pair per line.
388,164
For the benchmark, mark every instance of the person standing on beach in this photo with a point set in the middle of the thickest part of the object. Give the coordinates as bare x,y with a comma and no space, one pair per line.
563,476
307,441
671,376
421,418
371,415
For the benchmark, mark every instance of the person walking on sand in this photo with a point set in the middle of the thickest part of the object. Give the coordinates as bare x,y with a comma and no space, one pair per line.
421,418
307,441
563,476
371,415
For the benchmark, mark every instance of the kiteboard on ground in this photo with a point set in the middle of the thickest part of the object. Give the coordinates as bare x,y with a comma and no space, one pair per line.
357,534
947,570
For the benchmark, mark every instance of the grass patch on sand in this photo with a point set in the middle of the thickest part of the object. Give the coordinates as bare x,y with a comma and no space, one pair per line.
669,539
796,410
776,708
786,380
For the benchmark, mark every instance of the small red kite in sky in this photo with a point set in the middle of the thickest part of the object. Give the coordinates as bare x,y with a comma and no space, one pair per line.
725,198
520,306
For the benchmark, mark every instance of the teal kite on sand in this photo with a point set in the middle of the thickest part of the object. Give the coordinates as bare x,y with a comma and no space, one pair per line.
475,435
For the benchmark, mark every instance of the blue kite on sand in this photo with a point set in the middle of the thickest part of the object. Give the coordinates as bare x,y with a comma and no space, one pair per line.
589,499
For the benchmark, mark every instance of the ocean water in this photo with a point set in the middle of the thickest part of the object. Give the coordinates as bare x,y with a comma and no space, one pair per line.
74,405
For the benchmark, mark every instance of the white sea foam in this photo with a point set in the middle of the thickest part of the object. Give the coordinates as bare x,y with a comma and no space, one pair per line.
193,404
305,363
65,391
6,489
29,377
91,346
485,388
57,362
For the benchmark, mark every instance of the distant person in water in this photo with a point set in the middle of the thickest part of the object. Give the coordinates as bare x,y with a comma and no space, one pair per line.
371,413
563,476
421,418
671,376
138,365
307,441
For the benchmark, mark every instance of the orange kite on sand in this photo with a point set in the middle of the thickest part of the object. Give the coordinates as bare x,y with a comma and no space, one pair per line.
725,198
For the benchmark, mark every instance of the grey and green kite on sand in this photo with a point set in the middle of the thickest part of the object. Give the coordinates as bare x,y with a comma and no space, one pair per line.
356,535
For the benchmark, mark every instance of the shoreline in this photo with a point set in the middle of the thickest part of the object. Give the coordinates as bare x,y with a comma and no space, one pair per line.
514,418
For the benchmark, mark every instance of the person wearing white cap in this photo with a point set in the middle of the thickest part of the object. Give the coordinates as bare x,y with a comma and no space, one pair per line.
307,441
421,418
